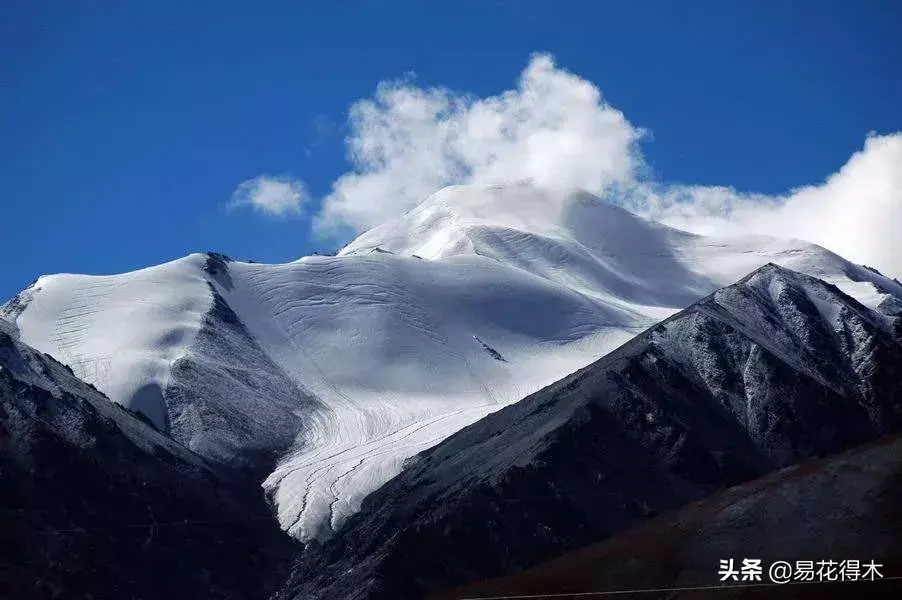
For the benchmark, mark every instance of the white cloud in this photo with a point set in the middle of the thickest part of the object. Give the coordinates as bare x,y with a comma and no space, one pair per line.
272,196
856,212
554,129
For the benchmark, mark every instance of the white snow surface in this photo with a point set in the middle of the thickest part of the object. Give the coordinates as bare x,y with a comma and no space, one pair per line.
418,328
119,333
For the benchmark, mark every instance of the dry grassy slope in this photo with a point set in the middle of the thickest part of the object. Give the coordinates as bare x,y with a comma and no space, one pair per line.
844,507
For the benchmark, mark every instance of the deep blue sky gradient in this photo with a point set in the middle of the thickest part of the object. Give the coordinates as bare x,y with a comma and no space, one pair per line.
125,126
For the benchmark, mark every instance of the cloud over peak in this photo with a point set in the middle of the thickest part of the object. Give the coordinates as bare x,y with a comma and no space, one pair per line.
554,130
856,212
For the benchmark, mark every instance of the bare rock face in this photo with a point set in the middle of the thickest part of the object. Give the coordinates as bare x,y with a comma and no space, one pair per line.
774,369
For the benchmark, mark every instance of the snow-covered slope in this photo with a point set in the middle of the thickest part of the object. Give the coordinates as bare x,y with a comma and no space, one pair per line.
761,374
120,333
585,243
345,366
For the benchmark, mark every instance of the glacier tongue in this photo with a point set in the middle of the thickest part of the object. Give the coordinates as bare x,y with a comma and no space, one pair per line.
387,343
371,356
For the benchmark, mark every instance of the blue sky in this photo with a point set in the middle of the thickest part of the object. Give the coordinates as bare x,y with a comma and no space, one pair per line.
125,127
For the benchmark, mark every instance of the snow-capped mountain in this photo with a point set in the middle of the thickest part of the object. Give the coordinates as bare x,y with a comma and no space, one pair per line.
96,503
759,375
338,369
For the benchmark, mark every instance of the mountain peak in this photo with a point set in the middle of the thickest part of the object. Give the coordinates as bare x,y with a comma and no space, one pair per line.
447,222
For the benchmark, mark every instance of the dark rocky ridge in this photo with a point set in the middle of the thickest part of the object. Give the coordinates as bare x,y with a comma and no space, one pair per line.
96,503
774,369
227,400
